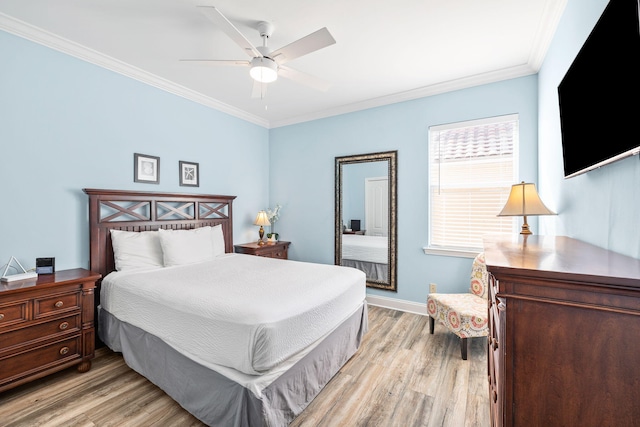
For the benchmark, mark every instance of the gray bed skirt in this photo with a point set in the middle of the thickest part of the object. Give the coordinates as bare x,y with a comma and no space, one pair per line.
373,270
215,399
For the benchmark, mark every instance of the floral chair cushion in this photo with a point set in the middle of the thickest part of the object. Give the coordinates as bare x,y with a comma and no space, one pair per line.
479,277
464,314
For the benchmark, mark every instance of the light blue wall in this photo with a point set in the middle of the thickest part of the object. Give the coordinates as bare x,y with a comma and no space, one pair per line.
66,125
302,174
601,207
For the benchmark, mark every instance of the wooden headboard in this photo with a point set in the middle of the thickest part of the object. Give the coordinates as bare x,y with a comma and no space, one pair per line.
146,211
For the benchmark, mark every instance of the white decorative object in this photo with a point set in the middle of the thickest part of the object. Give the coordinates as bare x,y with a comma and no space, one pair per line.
20,276
273,216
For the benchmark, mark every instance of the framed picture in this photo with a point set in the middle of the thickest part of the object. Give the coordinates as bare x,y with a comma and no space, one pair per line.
189,174
146,168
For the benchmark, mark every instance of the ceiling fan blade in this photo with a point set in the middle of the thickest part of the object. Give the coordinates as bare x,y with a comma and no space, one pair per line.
259,90
215,62
314,41
304,78
230,30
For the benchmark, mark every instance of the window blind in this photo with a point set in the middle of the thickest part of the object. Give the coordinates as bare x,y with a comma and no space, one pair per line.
472,166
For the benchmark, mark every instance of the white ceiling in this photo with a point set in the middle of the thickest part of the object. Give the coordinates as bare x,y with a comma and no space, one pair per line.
384,52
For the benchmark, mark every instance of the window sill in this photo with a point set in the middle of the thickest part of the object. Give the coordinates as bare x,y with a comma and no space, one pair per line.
451,252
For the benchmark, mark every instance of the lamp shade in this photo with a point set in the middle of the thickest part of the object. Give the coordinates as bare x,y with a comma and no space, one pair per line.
262,219
264,70
524,201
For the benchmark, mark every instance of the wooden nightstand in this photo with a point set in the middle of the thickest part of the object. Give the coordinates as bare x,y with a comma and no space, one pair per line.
270,250
46,325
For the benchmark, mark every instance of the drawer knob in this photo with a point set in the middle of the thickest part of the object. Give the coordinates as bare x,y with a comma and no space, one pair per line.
495,396
494,342
58,304
64,350
1,316
64,325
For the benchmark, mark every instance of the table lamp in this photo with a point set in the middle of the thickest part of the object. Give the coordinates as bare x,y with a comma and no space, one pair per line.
261,220
524,201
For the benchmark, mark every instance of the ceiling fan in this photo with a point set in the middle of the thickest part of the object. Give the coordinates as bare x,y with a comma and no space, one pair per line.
266,64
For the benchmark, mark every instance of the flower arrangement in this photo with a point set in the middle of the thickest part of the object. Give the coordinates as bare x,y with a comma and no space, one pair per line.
273,215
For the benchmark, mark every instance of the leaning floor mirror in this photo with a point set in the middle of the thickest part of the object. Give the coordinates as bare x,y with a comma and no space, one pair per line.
366,216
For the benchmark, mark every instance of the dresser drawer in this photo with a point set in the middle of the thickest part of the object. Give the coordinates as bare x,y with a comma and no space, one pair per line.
42,358
13,313
39,332
53,304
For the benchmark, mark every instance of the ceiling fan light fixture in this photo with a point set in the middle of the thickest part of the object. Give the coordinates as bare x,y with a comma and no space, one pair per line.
264,70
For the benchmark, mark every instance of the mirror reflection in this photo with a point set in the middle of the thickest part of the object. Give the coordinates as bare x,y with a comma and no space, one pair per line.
366,216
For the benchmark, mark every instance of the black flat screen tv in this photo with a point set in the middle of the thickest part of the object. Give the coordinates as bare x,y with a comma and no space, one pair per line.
599,96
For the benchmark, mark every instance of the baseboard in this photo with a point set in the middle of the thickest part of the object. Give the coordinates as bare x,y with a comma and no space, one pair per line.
398,304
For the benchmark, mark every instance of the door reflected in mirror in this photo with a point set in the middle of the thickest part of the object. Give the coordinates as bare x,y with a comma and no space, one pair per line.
365,216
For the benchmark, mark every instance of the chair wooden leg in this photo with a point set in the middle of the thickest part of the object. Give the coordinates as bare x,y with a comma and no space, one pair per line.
463,348
432,322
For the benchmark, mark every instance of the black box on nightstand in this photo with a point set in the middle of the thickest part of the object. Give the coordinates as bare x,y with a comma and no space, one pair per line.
45,265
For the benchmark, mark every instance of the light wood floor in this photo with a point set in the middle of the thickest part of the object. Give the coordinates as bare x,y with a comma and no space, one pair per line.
400,376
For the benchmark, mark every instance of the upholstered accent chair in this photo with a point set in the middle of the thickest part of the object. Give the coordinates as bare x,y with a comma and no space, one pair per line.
464,314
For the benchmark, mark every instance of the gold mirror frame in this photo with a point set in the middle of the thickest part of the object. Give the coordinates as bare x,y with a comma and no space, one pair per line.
391,158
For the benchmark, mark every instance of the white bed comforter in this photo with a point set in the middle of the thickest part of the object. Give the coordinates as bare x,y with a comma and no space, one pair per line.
245,312
359,247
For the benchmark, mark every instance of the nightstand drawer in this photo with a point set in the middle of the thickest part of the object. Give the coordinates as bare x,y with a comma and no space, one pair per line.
43,358
269,250
13,314
277,252
59,303
39,333
47,326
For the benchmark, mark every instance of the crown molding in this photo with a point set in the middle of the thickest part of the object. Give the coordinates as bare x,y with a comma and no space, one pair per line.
45,38
554,9
449,86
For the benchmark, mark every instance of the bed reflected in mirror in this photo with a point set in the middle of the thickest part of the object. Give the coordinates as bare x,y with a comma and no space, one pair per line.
365,216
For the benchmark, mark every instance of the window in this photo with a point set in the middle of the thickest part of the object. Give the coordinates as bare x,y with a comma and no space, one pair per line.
472,166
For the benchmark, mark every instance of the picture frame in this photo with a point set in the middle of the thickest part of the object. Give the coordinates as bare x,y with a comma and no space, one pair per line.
146,168
189,174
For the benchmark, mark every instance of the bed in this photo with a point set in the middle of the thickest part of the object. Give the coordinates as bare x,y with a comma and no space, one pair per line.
237,340
367,253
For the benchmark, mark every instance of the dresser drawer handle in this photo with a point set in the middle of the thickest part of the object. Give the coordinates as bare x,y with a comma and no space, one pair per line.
495,396
64,350
64,325
494,343
1,316
58,304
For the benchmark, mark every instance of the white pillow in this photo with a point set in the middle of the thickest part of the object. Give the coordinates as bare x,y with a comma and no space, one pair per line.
133,250
180,247
218,240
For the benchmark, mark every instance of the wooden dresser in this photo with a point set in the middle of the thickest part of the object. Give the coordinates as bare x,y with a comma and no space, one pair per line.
564,342
270,250
46,324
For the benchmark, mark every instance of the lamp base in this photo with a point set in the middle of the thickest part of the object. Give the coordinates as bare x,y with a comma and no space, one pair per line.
261,233
525,227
